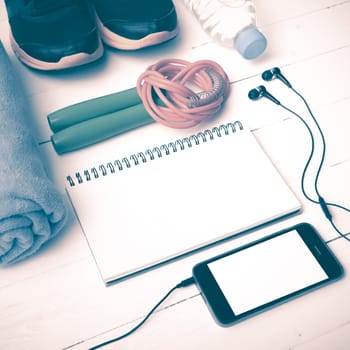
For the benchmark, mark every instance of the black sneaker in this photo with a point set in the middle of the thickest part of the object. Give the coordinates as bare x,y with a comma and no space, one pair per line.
134,24
53,34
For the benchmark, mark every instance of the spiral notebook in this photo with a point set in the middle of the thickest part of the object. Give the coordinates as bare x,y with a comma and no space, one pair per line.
161,203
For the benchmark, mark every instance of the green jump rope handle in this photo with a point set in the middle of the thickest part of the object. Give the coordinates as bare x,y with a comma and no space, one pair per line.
99,106
94,130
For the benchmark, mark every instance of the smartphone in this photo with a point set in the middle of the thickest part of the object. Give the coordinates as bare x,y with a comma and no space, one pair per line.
255,277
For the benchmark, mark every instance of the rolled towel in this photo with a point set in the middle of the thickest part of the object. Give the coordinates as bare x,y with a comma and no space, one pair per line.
31,210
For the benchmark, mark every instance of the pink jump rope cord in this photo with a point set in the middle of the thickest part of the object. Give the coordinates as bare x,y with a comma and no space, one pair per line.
170,80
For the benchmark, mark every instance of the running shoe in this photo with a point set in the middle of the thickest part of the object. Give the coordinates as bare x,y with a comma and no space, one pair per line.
135,24
53,34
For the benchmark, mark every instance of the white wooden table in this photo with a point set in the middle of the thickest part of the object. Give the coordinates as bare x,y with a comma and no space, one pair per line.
57,300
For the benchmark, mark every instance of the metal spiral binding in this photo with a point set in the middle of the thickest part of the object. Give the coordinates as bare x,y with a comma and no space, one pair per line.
154,153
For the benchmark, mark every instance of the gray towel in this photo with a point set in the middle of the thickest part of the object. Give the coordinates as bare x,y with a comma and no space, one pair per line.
31,209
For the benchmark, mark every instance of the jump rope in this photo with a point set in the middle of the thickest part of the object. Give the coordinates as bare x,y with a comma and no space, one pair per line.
166,93
175,92
180,107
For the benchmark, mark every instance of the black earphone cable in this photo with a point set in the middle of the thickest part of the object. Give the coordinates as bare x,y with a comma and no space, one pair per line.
322,138
185,283
323,204
323,153
260,91
310,156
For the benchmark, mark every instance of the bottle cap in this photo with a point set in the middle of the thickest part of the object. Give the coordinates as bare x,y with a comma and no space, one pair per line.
250,42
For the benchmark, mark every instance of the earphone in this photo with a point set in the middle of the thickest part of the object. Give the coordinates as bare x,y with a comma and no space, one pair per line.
268,75
259,92
275,73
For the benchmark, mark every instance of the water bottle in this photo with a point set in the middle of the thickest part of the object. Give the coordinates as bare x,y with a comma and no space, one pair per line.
230,22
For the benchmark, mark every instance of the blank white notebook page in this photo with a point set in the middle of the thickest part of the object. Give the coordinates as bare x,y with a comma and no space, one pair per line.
143,215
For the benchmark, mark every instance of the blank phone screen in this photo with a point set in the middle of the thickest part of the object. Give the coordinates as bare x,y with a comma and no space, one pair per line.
266,271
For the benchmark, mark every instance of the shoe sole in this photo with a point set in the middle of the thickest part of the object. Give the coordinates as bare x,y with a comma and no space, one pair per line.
119,42
64,63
